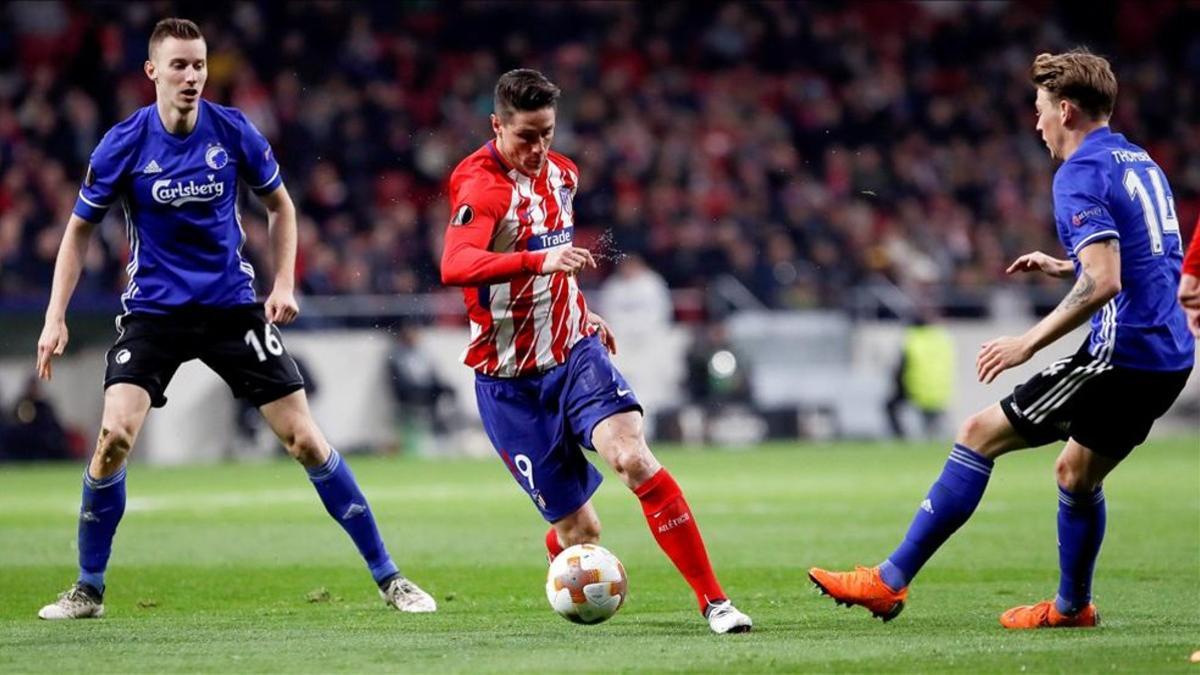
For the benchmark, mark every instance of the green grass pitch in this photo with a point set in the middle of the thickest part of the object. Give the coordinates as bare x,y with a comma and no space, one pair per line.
213,570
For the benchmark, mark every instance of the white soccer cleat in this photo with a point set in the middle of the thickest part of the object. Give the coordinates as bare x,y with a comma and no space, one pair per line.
723,618
74,603
406,596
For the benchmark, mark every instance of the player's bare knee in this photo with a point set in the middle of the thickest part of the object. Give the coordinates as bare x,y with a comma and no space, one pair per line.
971,431
978,433
306,447
114,444
634,462
1072,478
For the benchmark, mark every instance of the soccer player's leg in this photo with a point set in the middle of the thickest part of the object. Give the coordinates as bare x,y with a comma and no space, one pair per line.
580,527
619,440
140,365
883,590
1081,520
1111,415
249,354
606,416
103,501
291,420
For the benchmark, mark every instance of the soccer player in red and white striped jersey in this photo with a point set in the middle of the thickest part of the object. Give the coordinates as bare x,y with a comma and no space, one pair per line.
544,382
510,238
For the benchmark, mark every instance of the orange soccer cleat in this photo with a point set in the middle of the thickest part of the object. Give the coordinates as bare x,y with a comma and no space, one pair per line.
863,587
1046,615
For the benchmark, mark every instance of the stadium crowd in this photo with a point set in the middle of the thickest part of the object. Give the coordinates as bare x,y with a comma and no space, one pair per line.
800,148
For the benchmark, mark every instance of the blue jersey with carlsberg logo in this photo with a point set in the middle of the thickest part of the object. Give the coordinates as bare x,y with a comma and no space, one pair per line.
1111,189
179,195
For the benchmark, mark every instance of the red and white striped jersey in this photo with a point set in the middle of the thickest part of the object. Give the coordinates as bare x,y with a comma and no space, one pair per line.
503,222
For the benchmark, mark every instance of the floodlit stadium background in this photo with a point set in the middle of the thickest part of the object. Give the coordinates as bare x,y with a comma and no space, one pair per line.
797,178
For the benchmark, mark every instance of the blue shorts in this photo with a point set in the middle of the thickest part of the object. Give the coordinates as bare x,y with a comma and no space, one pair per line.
539,422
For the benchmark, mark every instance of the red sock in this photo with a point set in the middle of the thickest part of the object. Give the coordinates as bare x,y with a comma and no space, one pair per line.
674,528
552,545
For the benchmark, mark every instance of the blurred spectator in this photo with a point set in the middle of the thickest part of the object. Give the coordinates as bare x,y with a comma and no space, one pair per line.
33,432
425,404
716,376
924,378
635,300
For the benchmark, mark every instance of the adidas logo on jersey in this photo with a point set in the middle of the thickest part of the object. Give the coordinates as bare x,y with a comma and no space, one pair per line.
927,506
152,167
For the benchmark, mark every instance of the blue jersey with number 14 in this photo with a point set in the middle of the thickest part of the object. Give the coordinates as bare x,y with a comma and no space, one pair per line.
1111,189
179,194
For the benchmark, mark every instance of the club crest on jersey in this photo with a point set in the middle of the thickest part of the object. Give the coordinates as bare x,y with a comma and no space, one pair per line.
215,157
462,216
175,193
564,199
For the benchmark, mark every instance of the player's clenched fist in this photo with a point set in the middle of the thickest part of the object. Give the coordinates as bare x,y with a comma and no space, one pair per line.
1038,261
53,342
281,307
569,259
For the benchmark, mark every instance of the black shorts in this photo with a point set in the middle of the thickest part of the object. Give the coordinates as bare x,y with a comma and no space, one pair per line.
236,342
1106,408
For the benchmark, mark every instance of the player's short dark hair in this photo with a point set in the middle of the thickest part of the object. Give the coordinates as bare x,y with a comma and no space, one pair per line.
180,29
1079,76
524,89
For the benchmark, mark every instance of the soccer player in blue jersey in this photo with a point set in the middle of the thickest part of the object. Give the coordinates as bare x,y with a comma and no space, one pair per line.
1116,219
174,166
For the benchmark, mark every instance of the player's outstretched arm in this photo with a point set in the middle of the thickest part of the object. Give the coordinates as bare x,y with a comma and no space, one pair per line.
281,306
1099,281
67,268
1040,262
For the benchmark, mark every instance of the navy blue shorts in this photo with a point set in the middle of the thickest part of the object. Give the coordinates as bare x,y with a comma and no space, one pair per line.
539,423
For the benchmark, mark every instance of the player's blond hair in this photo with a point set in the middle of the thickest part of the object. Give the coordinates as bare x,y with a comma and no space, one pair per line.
180,29
1080,77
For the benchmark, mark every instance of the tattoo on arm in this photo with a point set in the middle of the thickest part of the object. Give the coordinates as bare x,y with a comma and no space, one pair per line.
1080,294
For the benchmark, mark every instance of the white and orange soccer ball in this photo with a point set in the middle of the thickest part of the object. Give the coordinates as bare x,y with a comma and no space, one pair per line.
586,584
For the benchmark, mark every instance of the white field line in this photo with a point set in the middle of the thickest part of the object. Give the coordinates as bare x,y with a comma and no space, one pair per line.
240,500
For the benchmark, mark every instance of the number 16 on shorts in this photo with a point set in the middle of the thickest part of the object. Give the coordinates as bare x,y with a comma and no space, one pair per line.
270,338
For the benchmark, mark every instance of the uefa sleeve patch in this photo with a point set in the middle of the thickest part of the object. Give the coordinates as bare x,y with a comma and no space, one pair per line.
1083,216
463,215
89,178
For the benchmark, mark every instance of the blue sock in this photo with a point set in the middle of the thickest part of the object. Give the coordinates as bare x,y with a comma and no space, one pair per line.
1081,519
346,503
949,504
100,510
